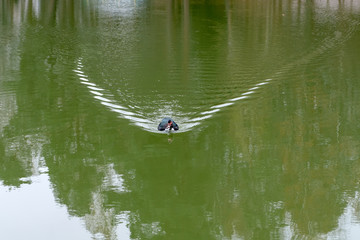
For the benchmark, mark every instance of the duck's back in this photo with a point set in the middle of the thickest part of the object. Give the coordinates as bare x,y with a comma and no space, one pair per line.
164,123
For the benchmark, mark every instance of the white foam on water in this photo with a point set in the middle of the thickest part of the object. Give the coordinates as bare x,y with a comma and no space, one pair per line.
200,118
137,119
247,93
88,83
222,105
96,93
122,111
254,88
81,75
111,105
262,83
211,111
95,88
238,98
102,99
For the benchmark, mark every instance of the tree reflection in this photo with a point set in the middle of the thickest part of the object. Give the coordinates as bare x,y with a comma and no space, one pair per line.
289,162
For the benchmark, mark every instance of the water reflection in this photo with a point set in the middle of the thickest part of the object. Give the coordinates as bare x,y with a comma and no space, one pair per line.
274,88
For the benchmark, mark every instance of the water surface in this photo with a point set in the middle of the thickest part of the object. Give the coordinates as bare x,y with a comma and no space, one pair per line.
266,94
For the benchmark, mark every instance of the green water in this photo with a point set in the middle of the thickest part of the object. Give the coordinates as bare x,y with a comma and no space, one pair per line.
266,94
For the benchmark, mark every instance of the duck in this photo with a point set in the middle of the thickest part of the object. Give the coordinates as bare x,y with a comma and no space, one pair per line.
167,123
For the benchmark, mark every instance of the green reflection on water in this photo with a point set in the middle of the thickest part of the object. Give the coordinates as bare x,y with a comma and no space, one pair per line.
280,163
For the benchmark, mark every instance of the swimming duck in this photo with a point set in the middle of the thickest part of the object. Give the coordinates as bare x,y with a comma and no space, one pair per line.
167,123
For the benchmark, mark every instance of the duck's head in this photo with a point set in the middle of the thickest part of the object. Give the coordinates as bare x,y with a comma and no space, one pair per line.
169,124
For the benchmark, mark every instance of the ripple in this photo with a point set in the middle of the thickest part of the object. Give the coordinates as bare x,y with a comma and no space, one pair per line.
96,93
211,111
254,88
82,75
111,105
102,99
88,83
95,88
142,112
247,93
222,105
200,118
123,112
238,98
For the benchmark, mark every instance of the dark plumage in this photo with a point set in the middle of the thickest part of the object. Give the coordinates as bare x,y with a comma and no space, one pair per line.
167,123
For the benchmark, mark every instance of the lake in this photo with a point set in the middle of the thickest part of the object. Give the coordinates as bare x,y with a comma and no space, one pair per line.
266,95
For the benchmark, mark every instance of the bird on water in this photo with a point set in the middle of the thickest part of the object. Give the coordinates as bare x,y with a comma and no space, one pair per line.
167,123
